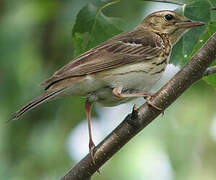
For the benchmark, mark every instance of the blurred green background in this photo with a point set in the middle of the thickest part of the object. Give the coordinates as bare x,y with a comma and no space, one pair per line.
36,40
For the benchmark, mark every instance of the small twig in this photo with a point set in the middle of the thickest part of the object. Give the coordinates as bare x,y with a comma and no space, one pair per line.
210,70
166,1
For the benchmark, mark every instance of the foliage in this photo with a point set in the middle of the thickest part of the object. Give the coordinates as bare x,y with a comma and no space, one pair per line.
35,40
93,27
200,10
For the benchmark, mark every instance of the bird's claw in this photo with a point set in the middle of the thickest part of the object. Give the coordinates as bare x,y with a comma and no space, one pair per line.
147,98
92,152
134,111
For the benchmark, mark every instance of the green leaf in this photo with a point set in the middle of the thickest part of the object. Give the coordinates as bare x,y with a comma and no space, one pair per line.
211,79
92,27
192,41
199,10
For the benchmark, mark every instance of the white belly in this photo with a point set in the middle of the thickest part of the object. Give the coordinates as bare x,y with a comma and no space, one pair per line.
132,78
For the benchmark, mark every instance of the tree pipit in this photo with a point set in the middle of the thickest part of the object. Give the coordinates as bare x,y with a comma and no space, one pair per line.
123,67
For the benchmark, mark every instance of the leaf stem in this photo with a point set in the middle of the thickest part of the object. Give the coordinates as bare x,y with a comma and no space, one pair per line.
108,4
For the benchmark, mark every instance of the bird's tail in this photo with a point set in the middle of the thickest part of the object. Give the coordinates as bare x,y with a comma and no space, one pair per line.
35,102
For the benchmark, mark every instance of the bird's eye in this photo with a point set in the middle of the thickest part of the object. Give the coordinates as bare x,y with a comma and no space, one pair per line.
168,17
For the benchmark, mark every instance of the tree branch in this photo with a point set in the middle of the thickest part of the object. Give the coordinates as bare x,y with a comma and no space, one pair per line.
209,71
167,1
144,115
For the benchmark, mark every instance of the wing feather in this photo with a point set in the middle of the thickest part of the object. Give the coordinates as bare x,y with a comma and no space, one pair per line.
123,49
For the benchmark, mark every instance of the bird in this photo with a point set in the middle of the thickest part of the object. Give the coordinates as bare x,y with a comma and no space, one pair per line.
122,68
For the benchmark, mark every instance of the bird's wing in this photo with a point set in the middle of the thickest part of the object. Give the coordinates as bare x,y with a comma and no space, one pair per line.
122,49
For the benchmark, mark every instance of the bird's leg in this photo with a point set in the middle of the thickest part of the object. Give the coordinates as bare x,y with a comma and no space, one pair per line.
91,143
117,92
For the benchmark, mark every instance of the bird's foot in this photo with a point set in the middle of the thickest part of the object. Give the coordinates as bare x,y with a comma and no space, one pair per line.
148,97
92,152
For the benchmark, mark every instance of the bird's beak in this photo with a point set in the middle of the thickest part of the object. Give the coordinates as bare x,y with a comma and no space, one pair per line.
189,24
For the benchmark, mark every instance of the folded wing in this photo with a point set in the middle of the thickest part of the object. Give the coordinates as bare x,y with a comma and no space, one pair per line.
122,49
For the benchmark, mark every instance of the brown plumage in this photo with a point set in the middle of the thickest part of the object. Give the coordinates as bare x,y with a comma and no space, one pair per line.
112,54
121,68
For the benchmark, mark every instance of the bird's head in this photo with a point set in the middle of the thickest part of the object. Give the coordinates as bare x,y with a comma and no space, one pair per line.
170,23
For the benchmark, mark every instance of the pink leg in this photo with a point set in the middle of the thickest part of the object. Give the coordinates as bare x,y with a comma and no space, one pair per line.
91,143
117,93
